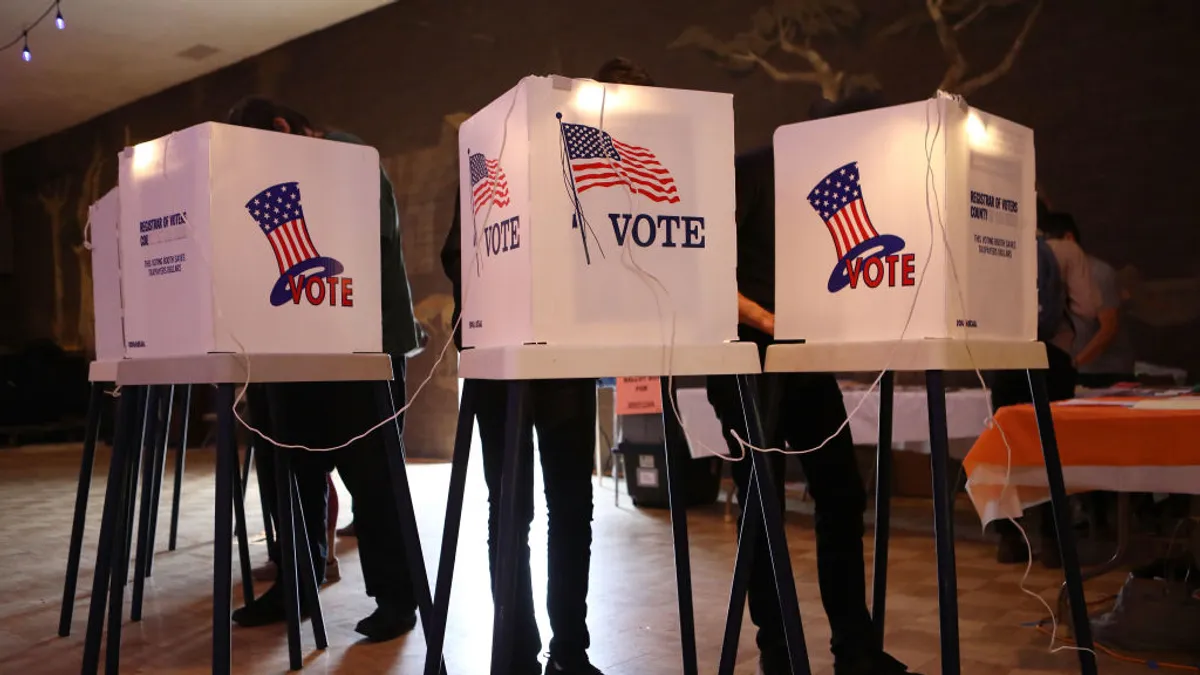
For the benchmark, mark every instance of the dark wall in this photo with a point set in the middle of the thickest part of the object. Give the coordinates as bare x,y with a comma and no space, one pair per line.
1104,84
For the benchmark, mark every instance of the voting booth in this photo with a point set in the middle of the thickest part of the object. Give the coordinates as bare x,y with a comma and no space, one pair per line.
106,277
926,208
594,214
240,240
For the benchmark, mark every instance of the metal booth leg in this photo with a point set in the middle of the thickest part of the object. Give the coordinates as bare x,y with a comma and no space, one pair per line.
124,436
394,444
943,506
676,498
435,630
95,401
506,569
1062,522
223,531
883,505
179,463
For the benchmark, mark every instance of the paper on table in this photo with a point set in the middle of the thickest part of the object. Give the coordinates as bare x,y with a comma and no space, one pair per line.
1178,403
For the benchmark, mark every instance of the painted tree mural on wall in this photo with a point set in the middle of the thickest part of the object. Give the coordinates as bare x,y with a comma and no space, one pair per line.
788,41
68,249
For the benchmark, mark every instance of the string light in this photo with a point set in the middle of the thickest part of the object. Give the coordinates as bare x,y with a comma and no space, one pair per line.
23,38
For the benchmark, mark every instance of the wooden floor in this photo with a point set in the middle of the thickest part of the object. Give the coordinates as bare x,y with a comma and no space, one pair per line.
632,602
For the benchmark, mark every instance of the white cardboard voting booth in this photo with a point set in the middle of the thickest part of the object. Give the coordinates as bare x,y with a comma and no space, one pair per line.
239,240
106,277
582,202
854,199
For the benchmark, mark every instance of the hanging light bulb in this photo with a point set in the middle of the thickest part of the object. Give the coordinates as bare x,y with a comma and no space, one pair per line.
25,53
58,18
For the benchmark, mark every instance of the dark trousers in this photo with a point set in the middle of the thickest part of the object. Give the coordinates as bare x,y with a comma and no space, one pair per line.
1011,387
810,410
564,414
325,414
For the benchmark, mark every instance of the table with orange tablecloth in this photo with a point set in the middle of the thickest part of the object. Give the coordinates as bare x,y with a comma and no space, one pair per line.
1107,444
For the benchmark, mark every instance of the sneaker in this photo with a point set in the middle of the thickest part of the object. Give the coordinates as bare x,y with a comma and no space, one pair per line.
387,623
348,531
579,667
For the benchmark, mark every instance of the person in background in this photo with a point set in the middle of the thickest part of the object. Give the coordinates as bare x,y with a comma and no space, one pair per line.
811,411
564,414
327,414
1079,300
1102,348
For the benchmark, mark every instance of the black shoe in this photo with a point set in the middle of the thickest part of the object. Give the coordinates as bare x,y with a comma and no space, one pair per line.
774,662
870,663
573,667
387,623
265,610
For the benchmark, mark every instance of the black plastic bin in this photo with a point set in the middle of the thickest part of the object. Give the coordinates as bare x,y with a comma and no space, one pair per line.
646,476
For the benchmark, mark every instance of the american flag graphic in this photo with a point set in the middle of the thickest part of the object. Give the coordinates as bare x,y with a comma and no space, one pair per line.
488,182
278,212
838,199
598,160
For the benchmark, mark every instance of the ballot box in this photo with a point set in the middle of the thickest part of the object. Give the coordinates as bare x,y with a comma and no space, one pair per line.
240,240
917,220
106,276
598,214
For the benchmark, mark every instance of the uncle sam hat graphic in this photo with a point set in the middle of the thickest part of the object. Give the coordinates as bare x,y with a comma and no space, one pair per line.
279,213
838,199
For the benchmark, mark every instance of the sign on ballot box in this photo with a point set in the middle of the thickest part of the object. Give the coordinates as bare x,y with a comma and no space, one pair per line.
240,240
598,214
926,208
106,276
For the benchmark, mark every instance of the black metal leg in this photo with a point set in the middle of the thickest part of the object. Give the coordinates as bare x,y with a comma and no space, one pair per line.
505,583
747,537
394,443
124,434
307,571
160,458
1062,522
223,531
883,505
769,504
149,401
435,634
675,442
285,501
943,517
95,402
149,463
239,528
179,462
247,463
120,564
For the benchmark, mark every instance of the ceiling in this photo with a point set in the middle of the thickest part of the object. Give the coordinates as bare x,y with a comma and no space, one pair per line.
113,52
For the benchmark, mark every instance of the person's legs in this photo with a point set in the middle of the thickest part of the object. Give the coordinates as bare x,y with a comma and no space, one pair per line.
491,408
812,412
332,569
564,413
764,602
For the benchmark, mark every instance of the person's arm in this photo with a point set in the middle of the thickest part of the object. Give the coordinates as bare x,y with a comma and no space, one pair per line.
752,314
1110,303
1109,322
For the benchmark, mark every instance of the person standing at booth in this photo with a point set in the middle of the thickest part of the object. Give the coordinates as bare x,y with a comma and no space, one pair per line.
329,413
564,414
810,410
